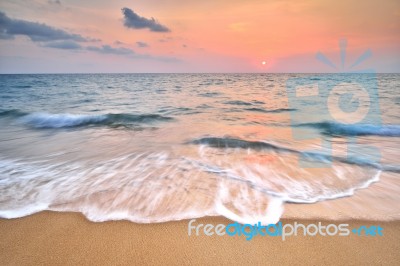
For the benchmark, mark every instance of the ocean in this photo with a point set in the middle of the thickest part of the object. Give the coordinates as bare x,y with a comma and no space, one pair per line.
161,147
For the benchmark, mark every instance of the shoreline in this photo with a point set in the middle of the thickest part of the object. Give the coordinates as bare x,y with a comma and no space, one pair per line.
54,238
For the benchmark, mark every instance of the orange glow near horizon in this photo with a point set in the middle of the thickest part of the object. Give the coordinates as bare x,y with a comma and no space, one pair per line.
221,35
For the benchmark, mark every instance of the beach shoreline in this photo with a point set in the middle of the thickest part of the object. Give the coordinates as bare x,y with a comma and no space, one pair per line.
61,238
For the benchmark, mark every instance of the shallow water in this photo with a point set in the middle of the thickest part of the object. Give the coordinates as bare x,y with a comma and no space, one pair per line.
161,147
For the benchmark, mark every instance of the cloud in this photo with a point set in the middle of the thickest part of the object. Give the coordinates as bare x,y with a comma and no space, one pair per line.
133,20
104,49
66,45
142,44
37,32
107,49
51,37
128,53
93,39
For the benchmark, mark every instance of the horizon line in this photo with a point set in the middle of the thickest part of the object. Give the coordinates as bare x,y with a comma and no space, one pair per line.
83,73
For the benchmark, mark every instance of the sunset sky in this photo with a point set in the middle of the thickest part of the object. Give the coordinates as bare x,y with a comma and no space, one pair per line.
73,36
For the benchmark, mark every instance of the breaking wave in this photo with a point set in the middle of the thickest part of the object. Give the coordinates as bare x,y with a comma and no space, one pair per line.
332,128
47,120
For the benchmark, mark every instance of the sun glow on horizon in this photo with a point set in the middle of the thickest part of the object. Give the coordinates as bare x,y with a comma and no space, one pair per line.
237,36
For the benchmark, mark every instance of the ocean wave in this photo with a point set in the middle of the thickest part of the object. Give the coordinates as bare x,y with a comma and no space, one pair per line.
12,113
209,94
316,157
227,142
136,187
278,175
48,120
332,128
22,86
238,103
280,110
159,187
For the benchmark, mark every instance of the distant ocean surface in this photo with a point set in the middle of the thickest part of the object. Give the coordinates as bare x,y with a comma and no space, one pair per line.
161,147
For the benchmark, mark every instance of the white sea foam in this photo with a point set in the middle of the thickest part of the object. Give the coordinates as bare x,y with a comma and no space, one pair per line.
46,120
156,187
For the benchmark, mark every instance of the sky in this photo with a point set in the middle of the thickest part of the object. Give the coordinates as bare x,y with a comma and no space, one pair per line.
152,36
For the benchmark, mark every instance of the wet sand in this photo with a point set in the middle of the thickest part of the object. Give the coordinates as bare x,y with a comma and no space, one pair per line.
51,238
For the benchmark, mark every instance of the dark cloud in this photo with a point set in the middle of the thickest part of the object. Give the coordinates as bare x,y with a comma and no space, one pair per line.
107,49
37,32
66,45
142,44
133,20
51,37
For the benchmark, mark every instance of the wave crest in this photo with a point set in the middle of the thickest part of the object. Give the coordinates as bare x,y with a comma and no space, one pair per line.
46,120
332,128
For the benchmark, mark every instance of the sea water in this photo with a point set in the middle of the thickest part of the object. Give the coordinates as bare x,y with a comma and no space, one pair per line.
161,147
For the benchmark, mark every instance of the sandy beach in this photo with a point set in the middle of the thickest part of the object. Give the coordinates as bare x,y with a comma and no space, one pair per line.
51,238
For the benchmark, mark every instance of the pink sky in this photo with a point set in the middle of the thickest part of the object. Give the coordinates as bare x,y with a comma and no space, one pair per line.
203,36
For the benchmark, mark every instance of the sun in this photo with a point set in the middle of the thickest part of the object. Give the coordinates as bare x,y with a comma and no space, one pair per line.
263,62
